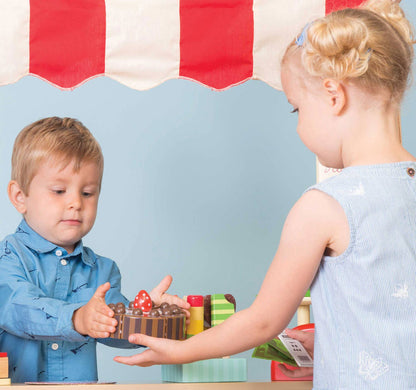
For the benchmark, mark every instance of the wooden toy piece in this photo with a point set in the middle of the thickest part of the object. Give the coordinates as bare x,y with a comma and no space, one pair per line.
196,324
211,370
164,321
207,311
4,369
304,314
4,365
221,309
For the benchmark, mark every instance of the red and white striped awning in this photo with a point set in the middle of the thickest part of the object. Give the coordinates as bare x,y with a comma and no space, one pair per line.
142,43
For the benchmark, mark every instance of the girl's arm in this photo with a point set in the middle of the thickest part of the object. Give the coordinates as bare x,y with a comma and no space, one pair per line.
312,225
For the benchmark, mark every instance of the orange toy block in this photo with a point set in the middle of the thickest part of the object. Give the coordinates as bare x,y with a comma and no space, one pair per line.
4,365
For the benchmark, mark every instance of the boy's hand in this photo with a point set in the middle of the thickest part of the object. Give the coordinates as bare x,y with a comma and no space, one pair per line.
95,318
158,294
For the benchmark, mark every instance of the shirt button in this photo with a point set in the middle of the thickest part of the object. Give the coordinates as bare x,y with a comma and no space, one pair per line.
410,172
58,252
64,262
55,346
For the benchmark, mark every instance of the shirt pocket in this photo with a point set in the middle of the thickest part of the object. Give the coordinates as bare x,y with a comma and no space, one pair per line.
83,295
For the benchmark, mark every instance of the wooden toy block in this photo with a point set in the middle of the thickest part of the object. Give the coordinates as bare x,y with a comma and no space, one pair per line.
196,311
5,382
211,370
304,314
4,365
221,309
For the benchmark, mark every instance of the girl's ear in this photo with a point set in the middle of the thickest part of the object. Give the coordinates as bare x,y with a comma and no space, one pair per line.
336,95
17,196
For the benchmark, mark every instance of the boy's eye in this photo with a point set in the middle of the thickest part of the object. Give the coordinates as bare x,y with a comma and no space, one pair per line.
88,194
295,110
59,192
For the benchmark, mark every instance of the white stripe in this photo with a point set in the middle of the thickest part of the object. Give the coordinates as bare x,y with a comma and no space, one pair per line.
14,40
276,24
142,45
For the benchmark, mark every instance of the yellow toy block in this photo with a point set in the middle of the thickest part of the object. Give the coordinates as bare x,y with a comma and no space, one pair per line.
5,382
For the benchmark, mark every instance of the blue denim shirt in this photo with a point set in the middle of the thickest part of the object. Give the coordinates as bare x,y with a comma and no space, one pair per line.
41,286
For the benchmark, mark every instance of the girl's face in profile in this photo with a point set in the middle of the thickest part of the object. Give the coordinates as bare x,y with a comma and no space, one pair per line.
310,102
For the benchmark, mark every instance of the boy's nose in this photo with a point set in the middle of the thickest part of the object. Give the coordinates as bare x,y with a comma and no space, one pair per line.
75,202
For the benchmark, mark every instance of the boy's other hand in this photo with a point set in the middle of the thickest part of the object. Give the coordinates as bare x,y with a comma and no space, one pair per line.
158,295
95,319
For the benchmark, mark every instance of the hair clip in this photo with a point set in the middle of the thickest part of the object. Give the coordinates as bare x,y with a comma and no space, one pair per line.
300,40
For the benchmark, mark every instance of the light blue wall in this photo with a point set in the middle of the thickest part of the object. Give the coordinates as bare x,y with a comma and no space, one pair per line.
197,183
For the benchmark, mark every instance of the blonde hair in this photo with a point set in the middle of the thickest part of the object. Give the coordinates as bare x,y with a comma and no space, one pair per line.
371,45
66,139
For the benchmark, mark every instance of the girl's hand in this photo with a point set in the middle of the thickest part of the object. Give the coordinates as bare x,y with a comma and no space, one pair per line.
299,373
158,295
160,351
307,340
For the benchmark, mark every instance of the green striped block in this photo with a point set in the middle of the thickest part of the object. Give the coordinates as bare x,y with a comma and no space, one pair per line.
212,370
221,309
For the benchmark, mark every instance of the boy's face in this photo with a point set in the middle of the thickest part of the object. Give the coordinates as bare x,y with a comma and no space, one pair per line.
61,204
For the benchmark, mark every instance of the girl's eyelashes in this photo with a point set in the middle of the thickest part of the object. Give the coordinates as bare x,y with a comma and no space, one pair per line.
295,110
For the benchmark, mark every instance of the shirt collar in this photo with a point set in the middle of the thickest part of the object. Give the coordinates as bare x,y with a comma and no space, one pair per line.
39,244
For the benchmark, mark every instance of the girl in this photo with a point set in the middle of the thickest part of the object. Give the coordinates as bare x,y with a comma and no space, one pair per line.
352,237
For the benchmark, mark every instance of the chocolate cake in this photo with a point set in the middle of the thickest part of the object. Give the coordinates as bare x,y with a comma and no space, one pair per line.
164,321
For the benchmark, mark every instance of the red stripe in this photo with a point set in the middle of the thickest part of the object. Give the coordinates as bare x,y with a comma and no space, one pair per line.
67,40
216,43
334,5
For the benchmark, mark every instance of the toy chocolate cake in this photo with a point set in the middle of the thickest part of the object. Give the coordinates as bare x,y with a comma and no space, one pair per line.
142,316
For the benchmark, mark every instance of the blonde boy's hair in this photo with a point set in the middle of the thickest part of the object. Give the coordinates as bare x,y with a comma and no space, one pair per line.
60,139
371,45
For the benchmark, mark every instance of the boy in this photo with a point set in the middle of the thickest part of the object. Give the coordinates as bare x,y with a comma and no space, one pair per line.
52,288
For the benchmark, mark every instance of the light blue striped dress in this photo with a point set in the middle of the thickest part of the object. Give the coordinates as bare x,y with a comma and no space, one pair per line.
364,301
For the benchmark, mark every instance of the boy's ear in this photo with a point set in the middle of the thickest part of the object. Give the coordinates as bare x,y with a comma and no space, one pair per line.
336,95
17,196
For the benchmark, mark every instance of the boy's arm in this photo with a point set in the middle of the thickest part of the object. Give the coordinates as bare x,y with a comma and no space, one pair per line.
308,230
26,311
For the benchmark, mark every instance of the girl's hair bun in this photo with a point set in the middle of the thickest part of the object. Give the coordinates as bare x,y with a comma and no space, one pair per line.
337,47
371,45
